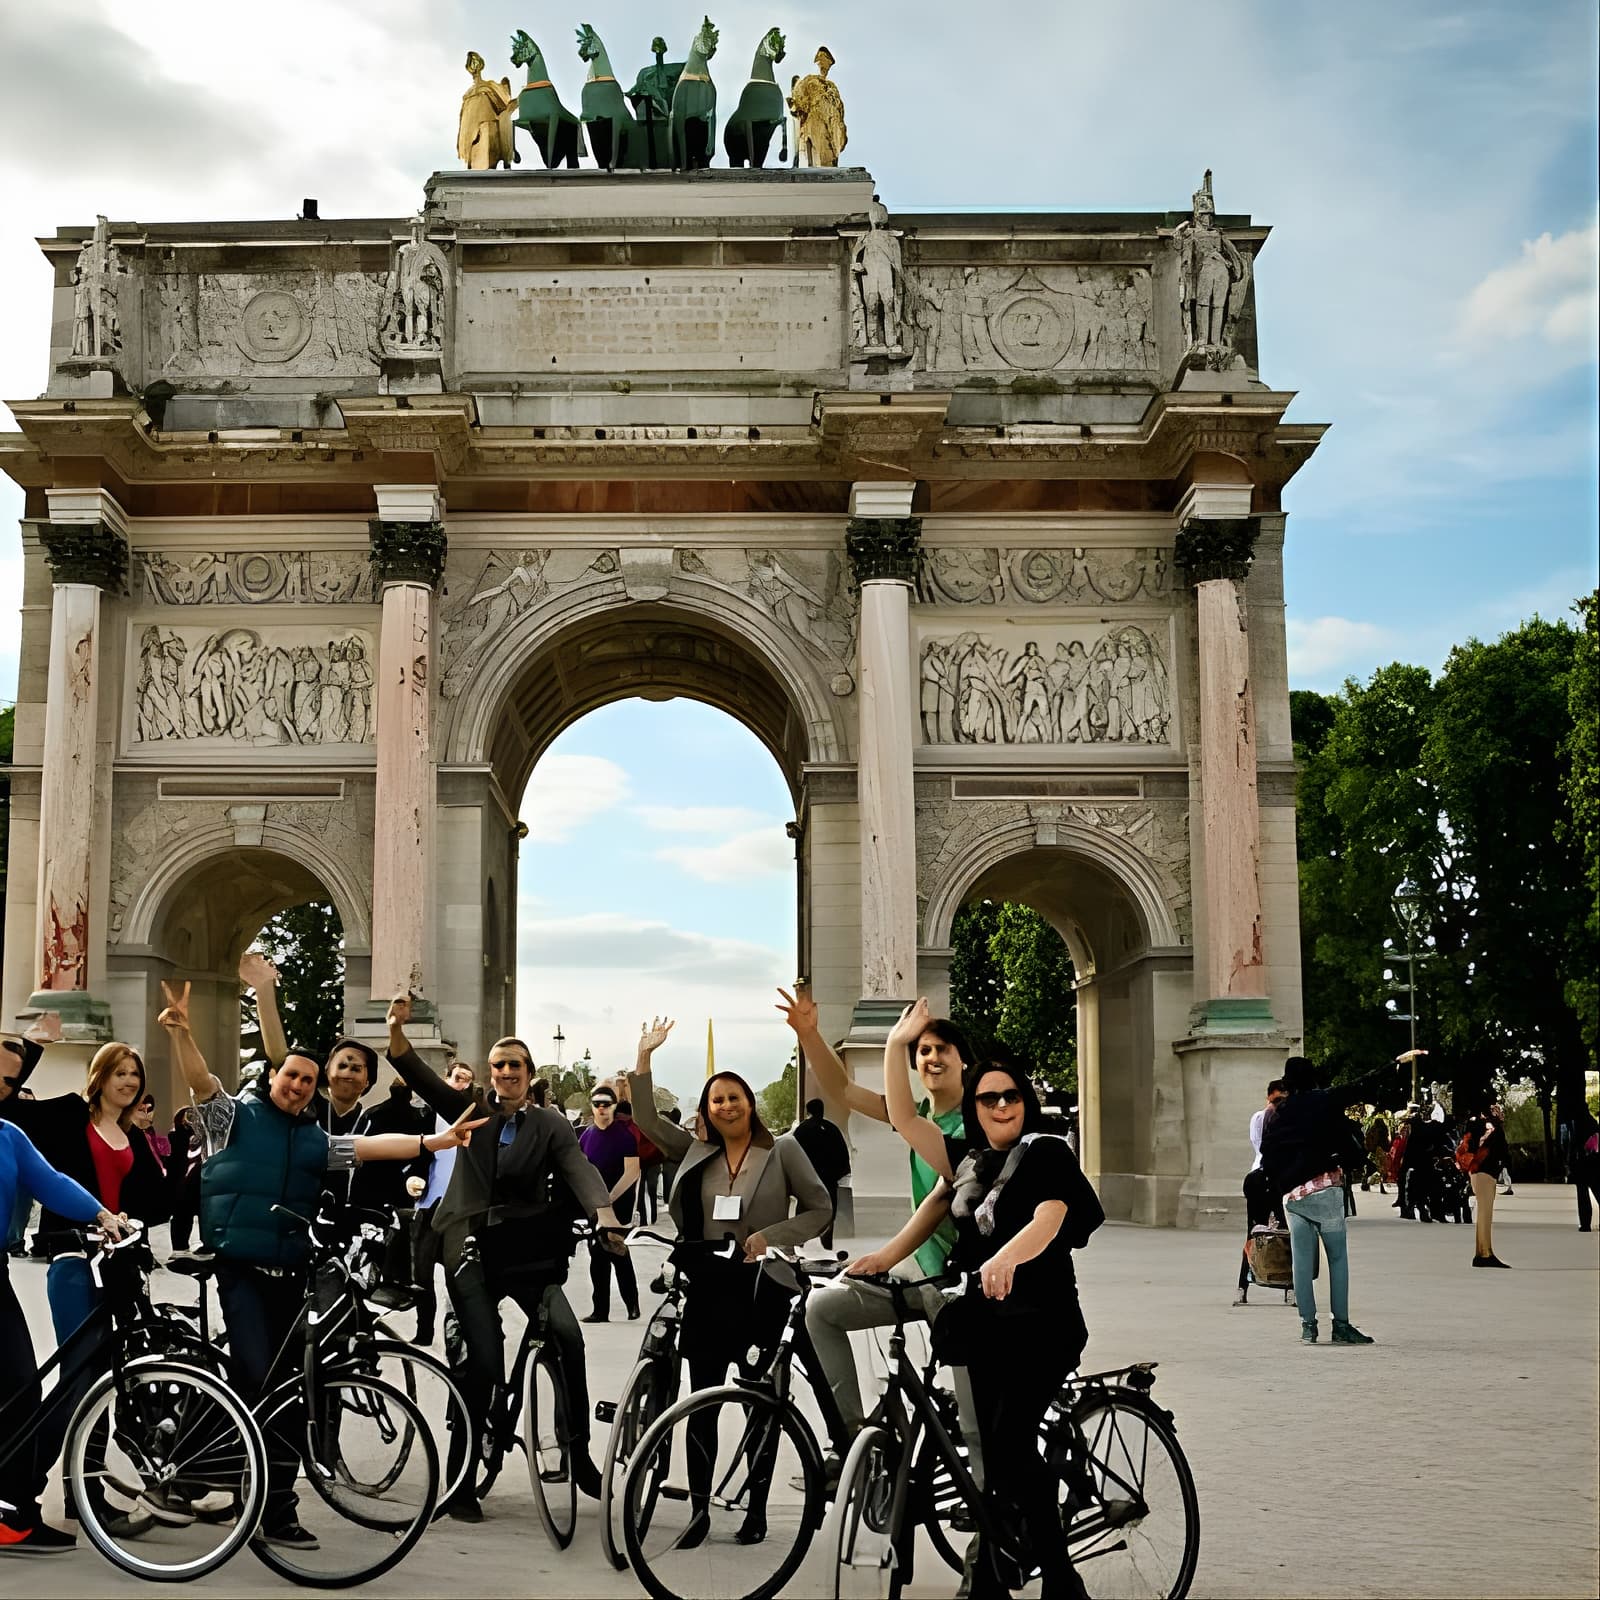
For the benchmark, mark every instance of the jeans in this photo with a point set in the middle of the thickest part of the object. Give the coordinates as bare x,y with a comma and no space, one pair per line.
1319,1216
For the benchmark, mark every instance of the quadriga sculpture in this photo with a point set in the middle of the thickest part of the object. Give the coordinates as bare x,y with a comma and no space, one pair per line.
615,137
748,135
557,133
694,105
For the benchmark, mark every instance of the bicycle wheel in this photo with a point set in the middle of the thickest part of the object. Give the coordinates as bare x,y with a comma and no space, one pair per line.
868,1561
368,1458
1132,1515
178,1436
548,1444
425,1380
639,1406
709,1503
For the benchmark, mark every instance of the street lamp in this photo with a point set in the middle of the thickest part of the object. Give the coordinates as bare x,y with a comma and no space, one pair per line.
1411,915
560,1039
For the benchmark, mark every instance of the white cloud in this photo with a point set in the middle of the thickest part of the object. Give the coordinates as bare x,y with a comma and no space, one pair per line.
1332,647
698,819
758,853
1549,290
597,977
567,791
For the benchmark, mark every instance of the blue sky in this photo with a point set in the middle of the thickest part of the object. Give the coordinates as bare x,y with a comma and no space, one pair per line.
1429,289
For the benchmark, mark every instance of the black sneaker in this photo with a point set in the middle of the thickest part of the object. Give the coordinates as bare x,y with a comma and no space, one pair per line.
35,1540
289,1536
463,1507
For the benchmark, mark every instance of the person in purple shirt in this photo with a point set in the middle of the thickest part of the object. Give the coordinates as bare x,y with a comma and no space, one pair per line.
22,1477
613,1148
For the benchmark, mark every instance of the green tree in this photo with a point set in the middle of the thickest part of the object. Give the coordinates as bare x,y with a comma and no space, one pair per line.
1582,781
306,944
1011,984
776,1102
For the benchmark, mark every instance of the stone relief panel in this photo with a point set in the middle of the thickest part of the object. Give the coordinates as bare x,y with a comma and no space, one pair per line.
490,590
257,577
1071,683
1042,577
806,592
238,686
1039,319
258,324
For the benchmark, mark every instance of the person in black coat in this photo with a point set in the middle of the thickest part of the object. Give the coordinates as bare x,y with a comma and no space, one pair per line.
830,1155
1302,1143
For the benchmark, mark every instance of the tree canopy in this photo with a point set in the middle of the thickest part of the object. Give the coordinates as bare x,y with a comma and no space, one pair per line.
306,945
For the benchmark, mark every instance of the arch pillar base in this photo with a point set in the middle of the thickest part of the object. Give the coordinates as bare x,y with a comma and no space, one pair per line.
1223,1079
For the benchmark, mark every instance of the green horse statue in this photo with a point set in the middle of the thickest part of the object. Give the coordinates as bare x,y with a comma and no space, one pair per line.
748,134
558,134
694,105
615,136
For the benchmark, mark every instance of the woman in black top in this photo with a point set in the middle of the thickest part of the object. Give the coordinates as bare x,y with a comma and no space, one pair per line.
1486,1139
1021,1206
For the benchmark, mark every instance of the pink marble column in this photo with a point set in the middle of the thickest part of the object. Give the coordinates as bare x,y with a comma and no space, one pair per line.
1216,553
408,551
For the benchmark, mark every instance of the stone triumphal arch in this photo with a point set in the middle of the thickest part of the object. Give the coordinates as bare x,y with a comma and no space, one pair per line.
331,527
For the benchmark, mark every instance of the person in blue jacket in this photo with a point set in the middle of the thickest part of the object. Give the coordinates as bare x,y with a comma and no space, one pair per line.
23,1170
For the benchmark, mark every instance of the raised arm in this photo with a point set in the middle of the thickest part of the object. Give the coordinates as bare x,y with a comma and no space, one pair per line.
673,1142
800,1012
923,1135
175,1019
261,977
442,1098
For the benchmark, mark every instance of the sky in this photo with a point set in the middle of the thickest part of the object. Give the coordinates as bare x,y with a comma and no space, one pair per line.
1429,289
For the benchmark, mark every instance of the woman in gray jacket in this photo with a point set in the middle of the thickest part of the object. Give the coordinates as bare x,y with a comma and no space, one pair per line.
735,1182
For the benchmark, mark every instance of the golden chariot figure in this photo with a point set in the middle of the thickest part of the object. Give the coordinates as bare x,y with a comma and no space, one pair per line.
820,135
484,139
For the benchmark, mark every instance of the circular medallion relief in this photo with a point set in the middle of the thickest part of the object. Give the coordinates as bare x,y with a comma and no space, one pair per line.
273,326
1032,330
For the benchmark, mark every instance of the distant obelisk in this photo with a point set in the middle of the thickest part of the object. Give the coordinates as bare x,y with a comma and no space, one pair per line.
711,1051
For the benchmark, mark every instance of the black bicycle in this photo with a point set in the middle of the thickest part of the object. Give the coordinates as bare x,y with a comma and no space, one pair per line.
1127,1497
166,1463
530,1412
725,1491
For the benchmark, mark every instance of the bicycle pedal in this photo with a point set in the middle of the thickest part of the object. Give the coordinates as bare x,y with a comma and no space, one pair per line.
605,1411
673,1491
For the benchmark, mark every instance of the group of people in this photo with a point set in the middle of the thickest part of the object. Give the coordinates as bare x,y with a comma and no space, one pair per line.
499,1179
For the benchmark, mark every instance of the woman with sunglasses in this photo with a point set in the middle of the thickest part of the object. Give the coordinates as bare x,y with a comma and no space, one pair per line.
735,1182
1021,1205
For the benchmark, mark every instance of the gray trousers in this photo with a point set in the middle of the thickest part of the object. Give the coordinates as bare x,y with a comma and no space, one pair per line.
844,1306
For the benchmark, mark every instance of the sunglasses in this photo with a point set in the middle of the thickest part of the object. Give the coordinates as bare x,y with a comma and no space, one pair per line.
597,1104
993,1099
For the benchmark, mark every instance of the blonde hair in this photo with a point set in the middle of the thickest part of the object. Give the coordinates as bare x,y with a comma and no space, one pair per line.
102,1064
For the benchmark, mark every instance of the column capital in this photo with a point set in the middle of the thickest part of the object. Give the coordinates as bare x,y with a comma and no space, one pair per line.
91,553
407,552
884,547
1215,547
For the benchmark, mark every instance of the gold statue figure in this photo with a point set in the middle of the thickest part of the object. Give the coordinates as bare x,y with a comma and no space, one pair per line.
484,139
820,135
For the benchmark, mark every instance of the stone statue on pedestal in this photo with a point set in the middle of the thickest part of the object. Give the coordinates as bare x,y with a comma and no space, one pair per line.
877,276
1213,279
820,135
413,296
96,331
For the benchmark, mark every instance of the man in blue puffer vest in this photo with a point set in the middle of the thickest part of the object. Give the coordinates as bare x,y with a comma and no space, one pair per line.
264,1150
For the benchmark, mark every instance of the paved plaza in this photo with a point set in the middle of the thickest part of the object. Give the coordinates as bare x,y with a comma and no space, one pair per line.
1455,1457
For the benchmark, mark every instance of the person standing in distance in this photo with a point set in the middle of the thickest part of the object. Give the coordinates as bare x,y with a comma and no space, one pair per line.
612,1148
830,1155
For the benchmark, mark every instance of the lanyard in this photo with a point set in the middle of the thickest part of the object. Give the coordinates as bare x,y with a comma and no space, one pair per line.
734,1171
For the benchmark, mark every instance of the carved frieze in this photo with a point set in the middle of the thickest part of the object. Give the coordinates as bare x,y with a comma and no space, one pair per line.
1075,576
256,577
1037,319
238,686
1075,683
236,323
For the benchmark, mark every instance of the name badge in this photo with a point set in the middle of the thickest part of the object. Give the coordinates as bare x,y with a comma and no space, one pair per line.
726,1207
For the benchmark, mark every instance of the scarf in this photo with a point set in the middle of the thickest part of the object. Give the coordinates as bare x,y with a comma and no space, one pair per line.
975,1195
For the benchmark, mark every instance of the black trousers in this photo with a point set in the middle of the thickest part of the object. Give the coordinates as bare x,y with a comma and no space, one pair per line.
1010,1397
731,1307
23,1467
475,1297
1258,1210
260,1310
1587,1179
427,1253
601,1265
